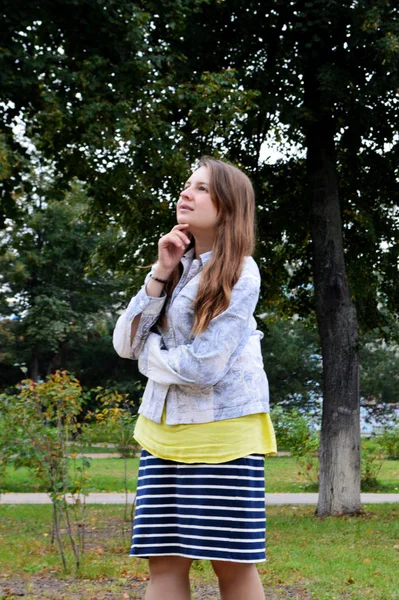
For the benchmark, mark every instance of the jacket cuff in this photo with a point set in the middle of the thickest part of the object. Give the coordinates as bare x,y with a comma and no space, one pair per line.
144,304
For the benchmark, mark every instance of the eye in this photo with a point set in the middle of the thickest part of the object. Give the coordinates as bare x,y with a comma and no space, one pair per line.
202,188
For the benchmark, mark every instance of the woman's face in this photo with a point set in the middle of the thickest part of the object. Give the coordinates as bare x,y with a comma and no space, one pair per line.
195,205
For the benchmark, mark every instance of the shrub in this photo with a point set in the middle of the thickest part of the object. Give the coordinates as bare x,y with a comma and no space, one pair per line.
117,415
294,433
389,442
101,431
371,463
44,421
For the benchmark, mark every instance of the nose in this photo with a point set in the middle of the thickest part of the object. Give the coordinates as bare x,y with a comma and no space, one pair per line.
186,193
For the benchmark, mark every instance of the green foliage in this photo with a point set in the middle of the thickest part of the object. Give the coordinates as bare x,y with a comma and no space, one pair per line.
58,297
389,442
379,369
43,419
371,463
118,410
7,440
70,83
292,430
46,417
130,112
294,433
292,359
115,421
103,432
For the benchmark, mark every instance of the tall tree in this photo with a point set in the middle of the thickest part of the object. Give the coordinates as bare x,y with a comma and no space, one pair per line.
58,299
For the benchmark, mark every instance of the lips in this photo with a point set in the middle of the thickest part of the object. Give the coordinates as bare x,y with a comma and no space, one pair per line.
185,207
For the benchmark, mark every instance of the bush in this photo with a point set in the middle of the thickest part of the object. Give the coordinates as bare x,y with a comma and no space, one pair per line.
43,419
389,442
114,421
104,432
294,433
371,463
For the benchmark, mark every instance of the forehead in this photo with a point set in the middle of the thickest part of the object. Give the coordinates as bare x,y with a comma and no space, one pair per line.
201,174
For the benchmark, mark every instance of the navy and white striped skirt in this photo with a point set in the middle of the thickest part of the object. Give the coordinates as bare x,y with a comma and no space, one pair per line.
209,511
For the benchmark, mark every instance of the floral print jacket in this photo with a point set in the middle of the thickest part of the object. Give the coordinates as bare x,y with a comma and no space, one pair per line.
215,375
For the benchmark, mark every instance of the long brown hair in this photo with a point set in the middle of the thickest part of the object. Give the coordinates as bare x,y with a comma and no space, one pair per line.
234,198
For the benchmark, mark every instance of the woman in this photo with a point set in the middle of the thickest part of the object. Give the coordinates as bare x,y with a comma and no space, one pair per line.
204,424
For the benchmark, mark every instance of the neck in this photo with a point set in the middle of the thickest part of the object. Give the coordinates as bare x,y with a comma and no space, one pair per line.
202,245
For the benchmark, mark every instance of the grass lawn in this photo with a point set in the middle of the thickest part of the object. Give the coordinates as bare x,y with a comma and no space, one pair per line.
282,475
308,558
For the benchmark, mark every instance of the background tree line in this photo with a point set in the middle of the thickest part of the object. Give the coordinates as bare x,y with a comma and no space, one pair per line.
124,97
59,305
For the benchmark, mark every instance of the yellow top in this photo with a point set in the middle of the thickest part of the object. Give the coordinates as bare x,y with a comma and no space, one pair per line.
214,442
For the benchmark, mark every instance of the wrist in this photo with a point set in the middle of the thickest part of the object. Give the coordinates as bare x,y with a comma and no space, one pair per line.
161,273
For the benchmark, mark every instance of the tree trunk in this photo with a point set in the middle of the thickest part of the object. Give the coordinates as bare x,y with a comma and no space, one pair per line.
34,369
337,322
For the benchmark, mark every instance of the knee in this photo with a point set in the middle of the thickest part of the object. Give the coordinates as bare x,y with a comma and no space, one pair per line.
161,566
230,571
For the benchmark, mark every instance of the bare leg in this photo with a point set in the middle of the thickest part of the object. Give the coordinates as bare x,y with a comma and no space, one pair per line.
238,581
169,578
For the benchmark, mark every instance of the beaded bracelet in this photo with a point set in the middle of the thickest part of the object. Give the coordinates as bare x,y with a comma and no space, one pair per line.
158,279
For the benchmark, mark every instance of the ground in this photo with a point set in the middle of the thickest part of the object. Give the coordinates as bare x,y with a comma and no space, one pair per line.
48,588
102,539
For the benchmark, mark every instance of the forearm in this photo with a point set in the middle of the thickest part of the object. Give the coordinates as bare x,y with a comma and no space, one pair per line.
185,365
134,324
154,289
205,359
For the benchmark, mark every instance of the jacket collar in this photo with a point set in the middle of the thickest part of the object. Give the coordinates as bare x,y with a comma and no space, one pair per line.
203,258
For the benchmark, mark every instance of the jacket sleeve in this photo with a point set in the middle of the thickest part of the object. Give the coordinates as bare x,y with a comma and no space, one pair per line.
150,309
208,357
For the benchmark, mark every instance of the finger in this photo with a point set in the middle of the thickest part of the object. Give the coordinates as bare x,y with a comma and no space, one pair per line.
172,239
183,236
180,227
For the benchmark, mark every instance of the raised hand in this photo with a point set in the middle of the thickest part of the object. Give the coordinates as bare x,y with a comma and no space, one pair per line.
171,248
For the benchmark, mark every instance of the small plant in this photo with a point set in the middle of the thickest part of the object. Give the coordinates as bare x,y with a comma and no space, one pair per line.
294,433
6,437
45,417
389,441
117,413
372,460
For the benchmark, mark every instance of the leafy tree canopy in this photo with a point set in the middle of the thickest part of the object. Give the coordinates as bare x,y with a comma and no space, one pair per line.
127,95
59,302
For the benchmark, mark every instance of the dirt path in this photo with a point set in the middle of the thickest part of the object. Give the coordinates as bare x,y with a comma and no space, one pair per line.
48,588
